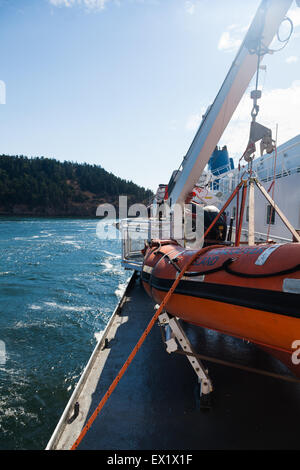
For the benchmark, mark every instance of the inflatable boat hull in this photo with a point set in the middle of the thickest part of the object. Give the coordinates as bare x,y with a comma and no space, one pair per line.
246,292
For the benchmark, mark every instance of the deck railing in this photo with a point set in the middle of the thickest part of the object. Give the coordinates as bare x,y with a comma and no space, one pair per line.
135,233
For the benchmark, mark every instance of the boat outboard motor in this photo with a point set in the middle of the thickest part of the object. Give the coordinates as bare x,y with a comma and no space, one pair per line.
218,232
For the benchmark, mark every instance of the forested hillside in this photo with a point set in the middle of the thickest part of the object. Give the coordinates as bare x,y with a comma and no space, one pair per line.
44,186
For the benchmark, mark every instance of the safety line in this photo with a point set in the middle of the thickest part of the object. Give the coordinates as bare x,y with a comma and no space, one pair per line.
151,324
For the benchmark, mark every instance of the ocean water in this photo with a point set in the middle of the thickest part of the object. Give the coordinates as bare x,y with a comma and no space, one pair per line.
59,284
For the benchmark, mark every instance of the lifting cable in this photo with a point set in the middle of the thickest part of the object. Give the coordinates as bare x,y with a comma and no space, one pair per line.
151,324
272,186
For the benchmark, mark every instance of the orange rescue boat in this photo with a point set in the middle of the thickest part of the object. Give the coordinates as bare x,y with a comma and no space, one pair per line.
250,292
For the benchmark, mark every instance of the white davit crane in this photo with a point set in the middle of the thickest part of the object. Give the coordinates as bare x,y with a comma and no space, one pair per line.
263,28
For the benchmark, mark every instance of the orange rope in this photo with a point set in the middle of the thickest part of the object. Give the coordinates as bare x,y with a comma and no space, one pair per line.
150,325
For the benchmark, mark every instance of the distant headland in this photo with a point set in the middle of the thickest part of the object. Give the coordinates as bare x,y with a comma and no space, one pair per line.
46,187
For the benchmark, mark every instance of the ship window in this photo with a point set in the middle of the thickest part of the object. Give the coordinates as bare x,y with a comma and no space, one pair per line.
247,214
270,215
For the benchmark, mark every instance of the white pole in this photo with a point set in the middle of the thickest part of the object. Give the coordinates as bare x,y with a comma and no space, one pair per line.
251,228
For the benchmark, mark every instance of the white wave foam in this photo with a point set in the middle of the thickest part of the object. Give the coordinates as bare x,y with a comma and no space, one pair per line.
120,289
34,307
67,307
98,335
33,324
71,242
108,266
27,238
112,254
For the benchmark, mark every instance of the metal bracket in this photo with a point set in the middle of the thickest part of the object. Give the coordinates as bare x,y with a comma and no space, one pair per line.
75,413
175,336
262,133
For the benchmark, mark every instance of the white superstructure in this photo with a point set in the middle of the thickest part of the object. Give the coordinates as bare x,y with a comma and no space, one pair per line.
285,191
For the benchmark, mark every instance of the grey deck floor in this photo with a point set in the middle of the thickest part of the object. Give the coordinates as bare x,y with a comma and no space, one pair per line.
156,405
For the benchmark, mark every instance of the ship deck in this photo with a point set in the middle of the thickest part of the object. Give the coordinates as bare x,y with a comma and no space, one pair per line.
156,404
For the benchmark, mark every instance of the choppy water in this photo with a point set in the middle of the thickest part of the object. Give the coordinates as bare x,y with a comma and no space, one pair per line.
59,284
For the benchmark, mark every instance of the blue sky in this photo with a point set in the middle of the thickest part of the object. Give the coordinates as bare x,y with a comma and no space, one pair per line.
123,83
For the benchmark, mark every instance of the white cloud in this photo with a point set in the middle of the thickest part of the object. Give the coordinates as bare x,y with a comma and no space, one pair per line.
193,122
65,3
228,43
279,106
292,59
294,15
231,39
94,5
190,7
89,4
98,4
